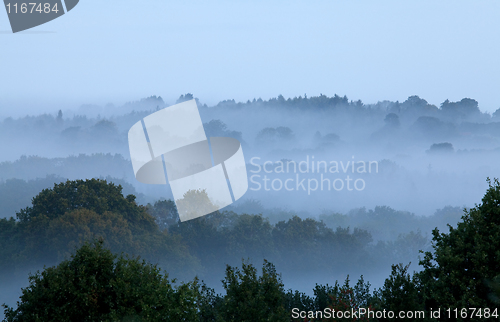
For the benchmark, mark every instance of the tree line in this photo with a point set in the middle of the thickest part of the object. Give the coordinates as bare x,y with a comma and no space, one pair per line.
71,212
94,283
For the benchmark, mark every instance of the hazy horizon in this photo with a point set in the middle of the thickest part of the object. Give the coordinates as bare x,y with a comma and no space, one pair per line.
371,51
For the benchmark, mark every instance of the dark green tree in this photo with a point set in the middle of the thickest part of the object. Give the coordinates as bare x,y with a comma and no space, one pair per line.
402,292
72,212
94,194
96,285
466,260
164,212
252,298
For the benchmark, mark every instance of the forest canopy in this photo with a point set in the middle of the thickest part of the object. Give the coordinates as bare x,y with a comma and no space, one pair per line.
95,284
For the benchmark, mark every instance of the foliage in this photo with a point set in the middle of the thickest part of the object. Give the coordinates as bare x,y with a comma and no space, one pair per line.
217,128
462,271
252,298
195,203
467,258
164,212
275,135
401,291
441,148
460,110
292,244
62,218
346,298
337,297
392,120
96,285
94,194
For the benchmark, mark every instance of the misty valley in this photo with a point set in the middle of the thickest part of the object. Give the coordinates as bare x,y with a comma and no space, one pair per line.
389,206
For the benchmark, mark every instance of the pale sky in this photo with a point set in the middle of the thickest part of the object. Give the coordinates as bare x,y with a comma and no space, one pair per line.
117,51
